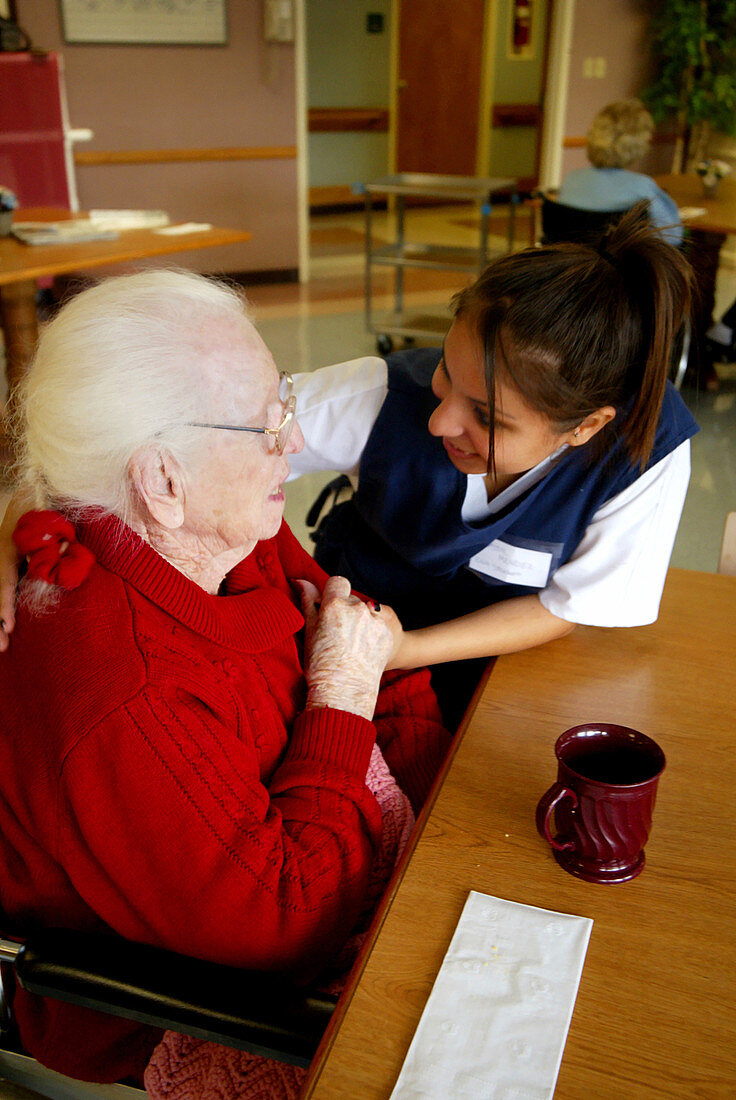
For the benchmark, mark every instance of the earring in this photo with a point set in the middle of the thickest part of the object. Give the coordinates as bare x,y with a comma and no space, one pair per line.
576,433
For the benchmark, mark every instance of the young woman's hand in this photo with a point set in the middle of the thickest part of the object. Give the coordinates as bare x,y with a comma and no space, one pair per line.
347,646
399,653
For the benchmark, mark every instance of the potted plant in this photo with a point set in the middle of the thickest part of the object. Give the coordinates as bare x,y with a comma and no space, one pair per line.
693,47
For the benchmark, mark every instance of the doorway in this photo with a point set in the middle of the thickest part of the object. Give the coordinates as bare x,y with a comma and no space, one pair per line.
502,126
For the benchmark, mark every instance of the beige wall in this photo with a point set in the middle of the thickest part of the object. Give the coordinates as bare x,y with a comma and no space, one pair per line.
186,97
614,30
347,67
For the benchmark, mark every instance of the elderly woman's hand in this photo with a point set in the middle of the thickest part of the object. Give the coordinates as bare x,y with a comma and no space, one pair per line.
347,646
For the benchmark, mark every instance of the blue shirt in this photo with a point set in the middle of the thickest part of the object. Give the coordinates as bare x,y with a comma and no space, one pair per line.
618,189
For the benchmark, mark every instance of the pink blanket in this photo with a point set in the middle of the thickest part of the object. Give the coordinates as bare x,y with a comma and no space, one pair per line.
182,1068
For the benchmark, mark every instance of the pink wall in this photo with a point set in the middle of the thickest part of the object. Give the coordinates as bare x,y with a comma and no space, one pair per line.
615,30
171,97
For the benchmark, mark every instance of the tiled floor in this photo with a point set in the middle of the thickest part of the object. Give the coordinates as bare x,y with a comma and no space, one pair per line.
307,326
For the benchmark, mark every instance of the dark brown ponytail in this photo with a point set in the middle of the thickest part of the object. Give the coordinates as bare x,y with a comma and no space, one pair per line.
581,326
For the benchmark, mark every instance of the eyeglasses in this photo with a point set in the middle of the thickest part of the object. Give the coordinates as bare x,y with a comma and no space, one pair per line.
282,433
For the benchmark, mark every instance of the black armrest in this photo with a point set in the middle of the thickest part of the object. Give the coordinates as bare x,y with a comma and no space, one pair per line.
259,1012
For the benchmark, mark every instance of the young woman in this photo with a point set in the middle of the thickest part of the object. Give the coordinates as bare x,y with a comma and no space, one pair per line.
531,474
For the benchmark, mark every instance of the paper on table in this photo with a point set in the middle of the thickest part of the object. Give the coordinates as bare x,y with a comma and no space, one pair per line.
129,219
495,1024
184,227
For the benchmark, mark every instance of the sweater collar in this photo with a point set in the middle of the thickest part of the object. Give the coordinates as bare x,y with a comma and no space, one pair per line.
252,621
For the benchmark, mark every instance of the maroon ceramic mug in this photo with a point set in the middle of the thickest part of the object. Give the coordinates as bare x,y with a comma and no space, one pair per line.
603,801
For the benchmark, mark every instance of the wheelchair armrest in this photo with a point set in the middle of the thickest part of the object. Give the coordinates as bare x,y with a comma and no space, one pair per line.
255,1011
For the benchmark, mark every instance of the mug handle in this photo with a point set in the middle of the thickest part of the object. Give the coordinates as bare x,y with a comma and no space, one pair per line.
545,809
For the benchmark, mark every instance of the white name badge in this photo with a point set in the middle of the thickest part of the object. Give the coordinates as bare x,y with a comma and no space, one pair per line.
513,564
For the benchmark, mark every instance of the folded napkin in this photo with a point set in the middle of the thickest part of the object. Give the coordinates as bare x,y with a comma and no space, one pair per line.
495,1025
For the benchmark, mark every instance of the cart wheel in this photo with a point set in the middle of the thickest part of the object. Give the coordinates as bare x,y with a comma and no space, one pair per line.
384,345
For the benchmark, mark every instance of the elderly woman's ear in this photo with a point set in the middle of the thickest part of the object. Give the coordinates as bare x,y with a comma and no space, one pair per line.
157,479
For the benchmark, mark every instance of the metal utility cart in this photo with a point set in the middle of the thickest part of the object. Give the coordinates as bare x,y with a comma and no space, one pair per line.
402,253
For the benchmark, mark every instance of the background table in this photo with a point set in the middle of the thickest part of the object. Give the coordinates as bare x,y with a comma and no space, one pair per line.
720,211
21,265
654,1015
706,235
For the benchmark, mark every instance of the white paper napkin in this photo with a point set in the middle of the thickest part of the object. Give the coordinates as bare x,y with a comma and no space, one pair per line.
495,1025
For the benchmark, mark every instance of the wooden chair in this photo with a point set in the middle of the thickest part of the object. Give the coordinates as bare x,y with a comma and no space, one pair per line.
727,560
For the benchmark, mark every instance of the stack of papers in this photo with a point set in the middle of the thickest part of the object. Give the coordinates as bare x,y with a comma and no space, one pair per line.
66,232
101,225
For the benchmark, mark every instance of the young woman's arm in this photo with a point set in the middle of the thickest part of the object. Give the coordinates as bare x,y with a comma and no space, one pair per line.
503,627
337,408
9,560
614,578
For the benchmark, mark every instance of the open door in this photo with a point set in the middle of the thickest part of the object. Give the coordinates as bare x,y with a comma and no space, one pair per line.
520,57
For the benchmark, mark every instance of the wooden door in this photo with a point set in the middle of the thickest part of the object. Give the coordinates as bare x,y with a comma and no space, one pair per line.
440,55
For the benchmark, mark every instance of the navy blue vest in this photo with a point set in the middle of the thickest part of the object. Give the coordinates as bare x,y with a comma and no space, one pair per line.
402,538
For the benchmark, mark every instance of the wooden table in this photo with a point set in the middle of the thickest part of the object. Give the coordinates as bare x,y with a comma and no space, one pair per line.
720,212
21,265
706,235
655,1013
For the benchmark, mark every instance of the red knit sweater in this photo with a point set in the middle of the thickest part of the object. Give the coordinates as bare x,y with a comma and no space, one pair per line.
159,777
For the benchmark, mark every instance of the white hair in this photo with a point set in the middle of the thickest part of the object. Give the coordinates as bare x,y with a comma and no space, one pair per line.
119,368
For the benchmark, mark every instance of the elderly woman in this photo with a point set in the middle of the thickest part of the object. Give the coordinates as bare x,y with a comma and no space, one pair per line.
183,763
618,138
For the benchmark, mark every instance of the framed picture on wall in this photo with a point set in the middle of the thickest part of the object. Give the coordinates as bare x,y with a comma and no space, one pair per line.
145,22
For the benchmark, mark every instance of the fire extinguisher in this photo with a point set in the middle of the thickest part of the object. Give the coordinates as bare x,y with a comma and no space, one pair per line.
522,28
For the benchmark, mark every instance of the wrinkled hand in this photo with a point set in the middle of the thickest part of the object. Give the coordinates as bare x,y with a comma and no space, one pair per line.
347,646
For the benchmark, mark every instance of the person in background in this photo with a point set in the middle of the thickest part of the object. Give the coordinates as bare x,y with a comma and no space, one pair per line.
184,762
618,139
